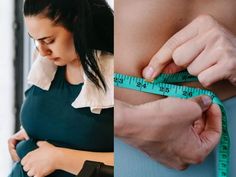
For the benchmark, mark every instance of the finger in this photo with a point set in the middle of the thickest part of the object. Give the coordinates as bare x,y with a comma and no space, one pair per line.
172,68
12,150
26,136
212,132
203,61
12,141
203,101
14,155
164,55
22,135
196,106
41,143
30,173
19,135
211,75
26,168
11,144
188,51
24,160
199,125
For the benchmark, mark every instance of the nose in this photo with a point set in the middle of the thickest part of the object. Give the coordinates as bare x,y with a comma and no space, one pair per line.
42,49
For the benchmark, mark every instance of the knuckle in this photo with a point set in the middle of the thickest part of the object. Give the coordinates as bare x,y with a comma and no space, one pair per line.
222,40
22,163
228,68
177,58
233,80
195,107
206,19
219,52
224,49
197,159
203,80
29,155
231,65
25,168
182,167
172,43
192,71
217,35
30,174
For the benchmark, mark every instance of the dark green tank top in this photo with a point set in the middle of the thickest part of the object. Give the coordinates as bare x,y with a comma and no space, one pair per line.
48,115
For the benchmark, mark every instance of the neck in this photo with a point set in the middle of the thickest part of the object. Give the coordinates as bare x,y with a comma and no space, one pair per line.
74,63
74,72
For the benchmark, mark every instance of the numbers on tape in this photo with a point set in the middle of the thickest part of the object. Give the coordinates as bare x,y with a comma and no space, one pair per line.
162,86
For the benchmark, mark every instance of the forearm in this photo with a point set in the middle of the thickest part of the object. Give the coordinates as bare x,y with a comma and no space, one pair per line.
72,160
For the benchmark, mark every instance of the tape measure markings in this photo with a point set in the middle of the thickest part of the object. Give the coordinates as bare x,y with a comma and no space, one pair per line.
162,86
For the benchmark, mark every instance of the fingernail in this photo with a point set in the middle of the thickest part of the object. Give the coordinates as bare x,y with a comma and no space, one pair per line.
148,72
206,100
151,81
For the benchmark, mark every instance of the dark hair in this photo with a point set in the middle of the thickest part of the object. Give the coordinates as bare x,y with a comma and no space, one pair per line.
90,22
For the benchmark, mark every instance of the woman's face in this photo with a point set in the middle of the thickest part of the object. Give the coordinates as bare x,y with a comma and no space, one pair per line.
52,41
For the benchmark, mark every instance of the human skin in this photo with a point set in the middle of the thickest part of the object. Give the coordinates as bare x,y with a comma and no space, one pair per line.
171,136
141,29
204,47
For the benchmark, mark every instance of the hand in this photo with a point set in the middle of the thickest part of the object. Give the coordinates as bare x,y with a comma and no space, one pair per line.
204,47
173,131
12,142
42,161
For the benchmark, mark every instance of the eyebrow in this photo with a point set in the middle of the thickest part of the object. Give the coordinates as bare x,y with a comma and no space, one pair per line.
40,39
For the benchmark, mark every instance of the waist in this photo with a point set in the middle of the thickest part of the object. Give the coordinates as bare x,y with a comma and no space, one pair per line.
223,89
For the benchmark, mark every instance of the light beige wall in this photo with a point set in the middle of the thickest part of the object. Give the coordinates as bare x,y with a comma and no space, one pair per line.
6,82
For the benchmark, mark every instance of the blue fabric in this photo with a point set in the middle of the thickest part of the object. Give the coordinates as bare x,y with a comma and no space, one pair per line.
130,162
49,116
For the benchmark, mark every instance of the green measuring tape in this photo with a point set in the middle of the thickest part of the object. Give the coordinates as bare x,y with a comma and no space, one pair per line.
161,86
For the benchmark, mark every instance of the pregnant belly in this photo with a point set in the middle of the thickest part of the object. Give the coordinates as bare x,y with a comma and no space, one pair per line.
23,148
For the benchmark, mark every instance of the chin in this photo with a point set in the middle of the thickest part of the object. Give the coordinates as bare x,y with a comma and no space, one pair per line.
59,63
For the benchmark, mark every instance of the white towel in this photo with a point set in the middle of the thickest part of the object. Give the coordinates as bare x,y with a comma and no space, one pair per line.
43,71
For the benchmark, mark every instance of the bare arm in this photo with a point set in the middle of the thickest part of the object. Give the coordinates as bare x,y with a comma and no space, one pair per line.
48,158
72,160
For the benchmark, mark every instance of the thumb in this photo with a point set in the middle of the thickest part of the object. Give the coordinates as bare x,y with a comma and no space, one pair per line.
211,135
203,101
26,135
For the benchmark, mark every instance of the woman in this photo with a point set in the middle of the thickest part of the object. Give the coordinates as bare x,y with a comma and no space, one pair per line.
67,113
145,27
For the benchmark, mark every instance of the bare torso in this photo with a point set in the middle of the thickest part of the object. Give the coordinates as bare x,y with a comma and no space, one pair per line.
142,27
